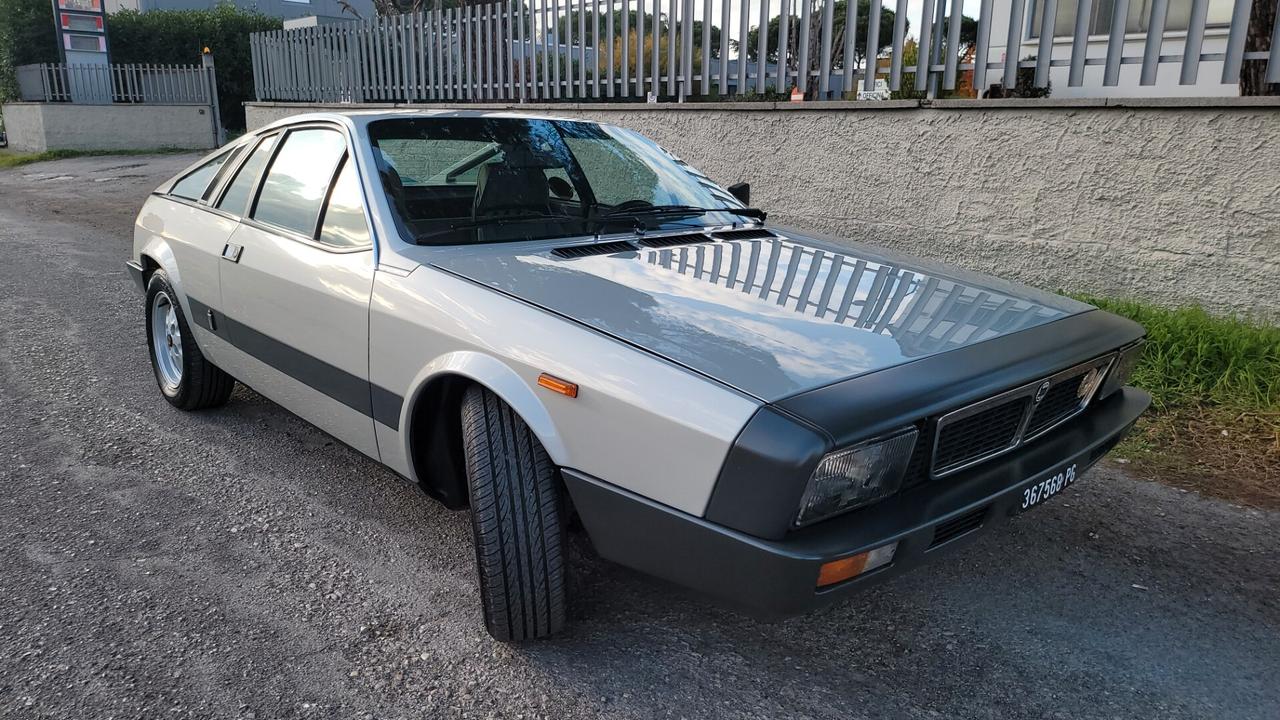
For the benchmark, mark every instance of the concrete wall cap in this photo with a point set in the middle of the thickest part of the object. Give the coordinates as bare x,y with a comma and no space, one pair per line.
1224,103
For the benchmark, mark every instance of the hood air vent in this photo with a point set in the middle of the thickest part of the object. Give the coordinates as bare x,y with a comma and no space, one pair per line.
670,240
744,234
609,248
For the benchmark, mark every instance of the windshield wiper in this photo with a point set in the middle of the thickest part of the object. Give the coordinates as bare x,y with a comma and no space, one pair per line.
678,210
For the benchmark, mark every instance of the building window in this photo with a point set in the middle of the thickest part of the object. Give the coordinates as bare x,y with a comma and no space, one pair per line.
1178,18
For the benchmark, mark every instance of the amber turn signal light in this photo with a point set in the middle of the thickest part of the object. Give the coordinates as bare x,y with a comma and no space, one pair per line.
841,570
838,571
555,384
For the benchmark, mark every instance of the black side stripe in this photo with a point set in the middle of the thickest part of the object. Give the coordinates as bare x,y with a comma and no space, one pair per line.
351,390
386,406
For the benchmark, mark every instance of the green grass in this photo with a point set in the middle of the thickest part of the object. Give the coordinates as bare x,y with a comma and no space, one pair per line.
1194,358
1214,427
10,159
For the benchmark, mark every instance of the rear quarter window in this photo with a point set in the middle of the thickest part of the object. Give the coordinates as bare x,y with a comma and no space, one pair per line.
343,224
193,185
236,196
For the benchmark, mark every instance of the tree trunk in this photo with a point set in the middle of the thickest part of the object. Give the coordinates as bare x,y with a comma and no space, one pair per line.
815,47
1253,73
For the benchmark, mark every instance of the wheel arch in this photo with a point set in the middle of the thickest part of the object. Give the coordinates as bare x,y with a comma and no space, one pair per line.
432,422
157,255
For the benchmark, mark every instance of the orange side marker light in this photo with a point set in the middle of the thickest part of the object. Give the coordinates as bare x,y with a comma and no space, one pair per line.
555,384
842,569
837,571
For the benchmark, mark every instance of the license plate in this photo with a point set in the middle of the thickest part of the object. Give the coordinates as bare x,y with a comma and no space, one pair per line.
1036,493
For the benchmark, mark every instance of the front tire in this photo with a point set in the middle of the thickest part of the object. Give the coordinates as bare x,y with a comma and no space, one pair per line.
516,516
186,379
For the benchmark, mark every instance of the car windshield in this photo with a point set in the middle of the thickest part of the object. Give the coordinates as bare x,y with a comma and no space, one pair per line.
453,180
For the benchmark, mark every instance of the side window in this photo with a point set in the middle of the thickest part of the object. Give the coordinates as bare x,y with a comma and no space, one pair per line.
295,185
343,225
236,197
192,186
226,167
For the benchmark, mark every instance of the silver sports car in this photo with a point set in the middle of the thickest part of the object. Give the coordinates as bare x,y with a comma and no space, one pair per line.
562,326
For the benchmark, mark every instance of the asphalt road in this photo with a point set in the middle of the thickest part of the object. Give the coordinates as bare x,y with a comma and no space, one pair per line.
239,563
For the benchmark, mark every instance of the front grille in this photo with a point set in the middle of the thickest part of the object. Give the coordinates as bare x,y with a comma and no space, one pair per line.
979,435
960,525
608,248
1059,403
1003,422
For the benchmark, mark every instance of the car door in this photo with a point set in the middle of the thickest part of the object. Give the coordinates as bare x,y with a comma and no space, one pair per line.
297,275
196,234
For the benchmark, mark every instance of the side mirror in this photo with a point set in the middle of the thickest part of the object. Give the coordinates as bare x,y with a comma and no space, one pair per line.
742,191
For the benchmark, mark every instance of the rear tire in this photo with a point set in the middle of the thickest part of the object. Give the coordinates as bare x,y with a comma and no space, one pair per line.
186,379
516,516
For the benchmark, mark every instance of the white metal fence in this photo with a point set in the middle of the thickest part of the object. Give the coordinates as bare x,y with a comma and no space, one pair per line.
541,50
104,84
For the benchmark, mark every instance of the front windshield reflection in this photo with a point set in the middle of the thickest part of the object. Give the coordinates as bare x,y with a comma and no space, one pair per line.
464,180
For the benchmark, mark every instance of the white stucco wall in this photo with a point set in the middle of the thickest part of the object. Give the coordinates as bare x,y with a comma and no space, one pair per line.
36,127
24,127
1169,201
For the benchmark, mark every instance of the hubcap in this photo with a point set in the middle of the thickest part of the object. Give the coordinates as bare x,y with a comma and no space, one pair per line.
166,341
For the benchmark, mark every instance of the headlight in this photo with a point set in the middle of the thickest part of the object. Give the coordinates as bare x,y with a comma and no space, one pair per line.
855,476
1121,369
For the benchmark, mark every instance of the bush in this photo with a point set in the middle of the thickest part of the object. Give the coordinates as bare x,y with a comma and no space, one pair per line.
26,36
178,36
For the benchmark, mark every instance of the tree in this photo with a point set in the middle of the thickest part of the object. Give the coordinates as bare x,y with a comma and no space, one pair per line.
385,8
815,33
1253,73
26,36
569,23
642,57
178,36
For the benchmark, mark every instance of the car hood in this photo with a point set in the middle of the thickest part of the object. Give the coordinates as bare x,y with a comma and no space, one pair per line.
769,313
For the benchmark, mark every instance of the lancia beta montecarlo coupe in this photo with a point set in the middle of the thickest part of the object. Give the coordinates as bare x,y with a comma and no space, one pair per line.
560,325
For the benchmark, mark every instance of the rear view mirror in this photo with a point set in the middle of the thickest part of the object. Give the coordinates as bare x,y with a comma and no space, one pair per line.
742,191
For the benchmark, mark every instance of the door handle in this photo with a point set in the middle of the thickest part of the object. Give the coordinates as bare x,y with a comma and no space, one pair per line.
231,252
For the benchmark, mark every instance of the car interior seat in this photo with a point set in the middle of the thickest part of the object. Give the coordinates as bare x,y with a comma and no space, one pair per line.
503,189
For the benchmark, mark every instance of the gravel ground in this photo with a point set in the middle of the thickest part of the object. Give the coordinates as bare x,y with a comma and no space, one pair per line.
239,563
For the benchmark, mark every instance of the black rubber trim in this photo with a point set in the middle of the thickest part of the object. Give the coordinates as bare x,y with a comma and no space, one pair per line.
766,469
136,272
774,578
386,406
348,389
201,314
351,390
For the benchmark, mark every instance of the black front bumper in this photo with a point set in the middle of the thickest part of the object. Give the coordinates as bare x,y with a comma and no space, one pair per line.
138,274
772,578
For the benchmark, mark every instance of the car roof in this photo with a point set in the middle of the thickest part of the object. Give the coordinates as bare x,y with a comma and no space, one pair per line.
361,118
